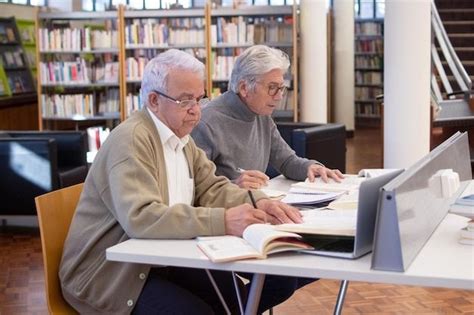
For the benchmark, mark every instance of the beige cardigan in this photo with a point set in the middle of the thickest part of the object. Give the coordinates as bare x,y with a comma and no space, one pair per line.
126,196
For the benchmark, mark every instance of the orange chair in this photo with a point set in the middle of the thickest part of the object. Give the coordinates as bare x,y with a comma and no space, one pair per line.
55,211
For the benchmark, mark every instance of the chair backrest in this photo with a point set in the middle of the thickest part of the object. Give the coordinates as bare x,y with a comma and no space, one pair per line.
55,212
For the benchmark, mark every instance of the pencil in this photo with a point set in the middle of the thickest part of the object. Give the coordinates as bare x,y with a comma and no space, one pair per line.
254,204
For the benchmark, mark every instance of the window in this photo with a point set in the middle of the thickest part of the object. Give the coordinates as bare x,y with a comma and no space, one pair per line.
101,5
27,2
369,9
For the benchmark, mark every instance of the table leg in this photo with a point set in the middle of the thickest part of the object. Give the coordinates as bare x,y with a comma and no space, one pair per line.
254,295
219,294
340,297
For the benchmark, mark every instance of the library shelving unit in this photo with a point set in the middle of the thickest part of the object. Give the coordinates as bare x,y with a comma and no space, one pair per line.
233,30
368,71
147,33
26,30
78,69
90,64
15,73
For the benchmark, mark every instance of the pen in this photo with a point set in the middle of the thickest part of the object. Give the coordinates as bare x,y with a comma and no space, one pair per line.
254,204
240,170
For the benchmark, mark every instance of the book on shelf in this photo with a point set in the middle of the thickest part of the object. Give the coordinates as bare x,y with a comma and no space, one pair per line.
258,241
19,82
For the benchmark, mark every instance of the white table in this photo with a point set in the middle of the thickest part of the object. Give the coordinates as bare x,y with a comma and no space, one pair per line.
442,262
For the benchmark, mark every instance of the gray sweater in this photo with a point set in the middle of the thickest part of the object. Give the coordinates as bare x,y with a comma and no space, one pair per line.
235,137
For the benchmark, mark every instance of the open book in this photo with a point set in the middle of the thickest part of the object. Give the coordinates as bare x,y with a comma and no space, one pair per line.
258,241
323,222
348,183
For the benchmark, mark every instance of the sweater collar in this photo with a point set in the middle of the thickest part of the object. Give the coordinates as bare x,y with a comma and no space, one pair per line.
238,108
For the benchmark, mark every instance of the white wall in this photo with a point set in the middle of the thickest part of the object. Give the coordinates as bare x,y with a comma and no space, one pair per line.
343,63
407,71
313,62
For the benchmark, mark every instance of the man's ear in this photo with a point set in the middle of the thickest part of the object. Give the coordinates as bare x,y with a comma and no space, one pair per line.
152,102
243,89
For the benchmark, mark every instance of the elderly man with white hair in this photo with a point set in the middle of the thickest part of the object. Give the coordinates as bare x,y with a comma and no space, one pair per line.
239,135
150,181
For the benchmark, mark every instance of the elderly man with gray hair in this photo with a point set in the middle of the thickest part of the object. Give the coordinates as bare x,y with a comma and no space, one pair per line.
237,131
150,181
239,135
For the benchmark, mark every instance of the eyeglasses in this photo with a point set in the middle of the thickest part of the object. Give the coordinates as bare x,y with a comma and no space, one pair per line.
185,104
273,89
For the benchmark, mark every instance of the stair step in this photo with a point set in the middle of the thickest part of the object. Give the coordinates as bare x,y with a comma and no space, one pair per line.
465,62
461,35
459,49
456,10
463,53
456,14
458,23
462,41
461,28
451,78
447,4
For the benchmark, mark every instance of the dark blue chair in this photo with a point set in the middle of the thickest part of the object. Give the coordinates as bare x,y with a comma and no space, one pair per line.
33,163
325,143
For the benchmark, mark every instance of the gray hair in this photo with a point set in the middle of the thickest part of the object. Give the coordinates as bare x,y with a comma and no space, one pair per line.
157,69
255,61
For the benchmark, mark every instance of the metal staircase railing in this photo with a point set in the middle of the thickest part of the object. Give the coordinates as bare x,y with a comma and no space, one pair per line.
460,75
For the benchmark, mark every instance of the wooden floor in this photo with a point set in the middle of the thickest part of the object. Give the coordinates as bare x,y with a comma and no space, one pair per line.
22,280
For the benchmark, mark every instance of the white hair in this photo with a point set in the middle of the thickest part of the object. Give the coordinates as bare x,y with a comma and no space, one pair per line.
155,75
255,61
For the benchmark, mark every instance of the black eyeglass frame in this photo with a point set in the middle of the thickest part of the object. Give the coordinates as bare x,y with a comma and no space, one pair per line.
184,104
275,88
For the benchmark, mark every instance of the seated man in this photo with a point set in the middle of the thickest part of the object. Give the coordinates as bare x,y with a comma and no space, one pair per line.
149,180
237,131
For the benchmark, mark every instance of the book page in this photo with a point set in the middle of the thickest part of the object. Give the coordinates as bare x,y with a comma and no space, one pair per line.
349,183
259,235
345,202
325,222
273,193
227,248
308,198
374,172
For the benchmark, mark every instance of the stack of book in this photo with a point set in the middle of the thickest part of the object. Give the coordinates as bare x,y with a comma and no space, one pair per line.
467,234
464,206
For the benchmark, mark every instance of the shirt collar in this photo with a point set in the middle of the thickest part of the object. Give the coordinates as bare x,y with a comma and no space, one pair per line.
167,136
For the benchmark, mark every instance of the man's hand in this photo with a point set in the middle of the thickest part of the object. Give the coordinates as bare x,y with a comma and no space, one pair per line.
238,218
252,179
315,170
279,212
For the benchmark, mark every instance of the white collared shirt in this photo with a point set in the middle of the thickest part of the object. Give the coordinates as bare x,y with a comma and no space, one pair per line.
180,185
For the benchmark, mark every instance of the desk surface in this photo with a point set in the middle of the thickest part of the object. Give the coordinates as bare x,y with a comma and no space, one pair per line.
443,262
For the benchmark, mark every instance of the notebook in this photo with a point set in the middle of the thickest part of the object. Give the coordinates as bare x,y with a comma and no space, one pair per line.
361,243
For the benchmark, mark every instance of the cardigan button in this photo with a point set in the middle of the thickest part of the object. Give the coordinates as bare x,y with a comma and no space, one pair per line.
130,302
142,276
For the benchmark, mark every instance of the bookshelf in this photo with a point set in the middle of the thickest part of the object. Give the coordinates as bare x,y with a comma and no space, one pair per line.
15,73
233,30
368,61
150,32
78,69
85,58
